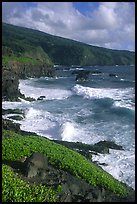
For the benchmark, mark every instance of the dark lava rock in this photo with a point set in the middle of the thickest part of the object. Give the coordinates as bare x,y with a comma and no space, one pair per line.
41,98
112,75
96,72
87,150
28,99
13,71
9,125
81,75
12,111
103,145
16,117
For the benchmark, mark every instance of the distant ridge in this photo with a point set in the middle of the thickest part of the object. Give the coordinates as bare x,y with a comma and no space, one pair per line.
50,49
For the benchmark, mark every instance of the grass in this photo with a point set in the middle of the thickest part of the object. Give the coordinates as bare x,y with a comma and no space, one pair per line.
15,146
16,190
23,60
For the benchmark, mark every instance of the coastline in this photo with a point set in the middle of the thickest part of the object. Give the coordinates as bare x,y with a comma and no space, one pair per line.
74,147
85,150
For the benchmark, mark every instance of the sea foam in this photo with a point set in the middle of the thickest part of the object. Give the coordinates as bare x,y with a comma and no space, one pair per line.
119,96
116,163
29,90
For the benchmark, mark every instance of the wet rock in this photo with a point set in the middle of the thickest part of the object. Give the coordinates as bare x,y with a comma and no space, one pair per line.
112,75
16,117
96,72
87,150
81,75
104,145
13,71
12,111
41,98
9,125
10,85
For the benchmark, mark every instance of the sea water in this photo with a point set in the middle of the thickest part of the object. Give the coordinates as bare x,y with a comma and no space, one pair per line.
101,108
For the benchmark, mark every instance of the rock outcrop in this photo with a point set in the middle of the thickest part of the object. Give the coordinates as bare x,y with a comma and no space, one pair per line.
35,169
35,165
12,72
81,75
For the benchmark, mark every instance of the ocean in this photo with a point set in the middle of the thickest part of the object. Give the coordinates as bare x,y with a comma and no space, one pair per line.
101,108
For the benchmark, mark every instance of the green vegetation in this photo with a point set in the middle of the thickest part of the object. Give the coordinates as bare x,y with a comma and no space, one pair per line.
35,56
24,42
16,190
25,60
15,146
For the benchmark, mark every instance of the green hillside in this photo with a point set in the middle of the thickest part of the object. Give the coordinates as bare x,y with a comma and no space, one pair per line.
34,47
15,188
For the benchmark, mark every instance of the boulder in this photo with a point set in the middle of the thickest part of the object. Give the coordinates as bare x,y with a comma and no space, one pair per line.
35,165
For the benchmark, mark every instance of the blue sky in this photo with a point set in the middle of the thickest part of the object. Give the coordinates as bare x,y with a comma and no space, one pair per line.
104,24
85,7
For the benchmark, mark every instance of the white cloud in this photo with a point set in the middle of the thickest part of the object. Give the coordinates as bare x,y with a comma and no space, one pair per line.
111,24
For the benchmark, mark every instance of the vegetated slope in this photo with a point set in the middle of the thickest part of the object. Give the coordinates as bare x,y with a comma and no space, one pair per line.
16,146
36,46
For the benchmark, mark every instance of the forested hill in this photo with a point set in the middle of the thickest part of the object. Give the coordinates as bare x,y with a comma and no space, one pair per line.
32,46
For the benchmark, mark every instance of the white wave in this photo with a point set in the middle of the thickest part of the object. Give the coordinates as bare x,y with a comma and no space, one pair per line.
40,122
77,68
15,105
35,92
88,92
74,132
124,104
126,80
122,79
67,131
120,164
58,126
23,100
120,96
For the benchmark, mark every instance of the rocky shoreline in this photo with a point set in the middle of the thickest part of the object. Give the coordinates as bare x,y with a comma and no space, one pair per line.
84,149
12,72
74,189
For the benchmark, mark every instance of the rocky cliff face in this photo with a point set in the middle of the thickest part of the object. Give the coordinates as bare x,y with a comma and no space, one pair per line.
13,71
16,65
10,84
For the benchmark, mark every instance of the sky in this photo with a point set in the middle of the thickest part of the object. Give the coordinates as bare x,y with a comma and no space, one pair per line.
103,24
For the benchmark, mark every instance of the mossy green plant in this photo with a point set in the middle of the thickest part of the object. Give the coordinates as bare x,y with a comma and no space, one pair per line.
17,190
17,146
